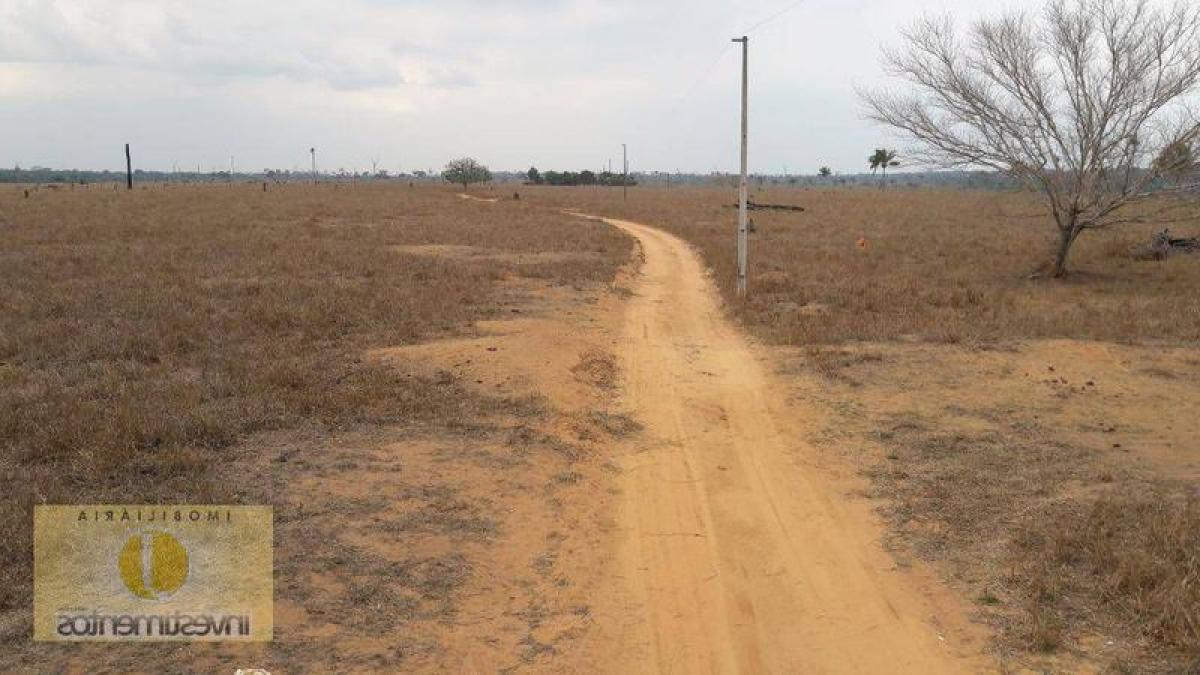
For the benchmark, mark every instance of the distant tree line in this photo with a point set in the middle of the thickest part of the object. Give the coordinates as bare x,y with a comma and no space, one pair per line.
585,177
40,174
987,180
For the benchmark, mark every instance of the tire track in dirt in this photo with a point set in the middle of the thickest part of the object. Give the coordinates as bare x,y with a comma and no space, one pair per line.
735,556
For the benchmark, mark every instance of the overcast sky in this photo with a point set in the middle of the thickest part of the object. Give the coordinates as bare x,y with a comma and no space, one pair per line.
413,83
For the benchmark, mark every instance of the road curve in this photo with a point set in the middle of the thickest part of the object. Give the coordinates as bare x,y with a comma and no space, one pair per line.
734,556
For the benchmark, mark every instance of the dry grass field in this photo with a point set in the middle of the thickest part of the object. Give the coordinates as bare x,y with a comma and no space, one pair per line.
939,266
214,344
1035,437
424,385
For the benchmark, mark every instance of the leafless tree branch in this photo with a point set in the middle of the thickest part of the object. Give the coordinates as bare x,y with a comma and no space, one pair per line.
1088,103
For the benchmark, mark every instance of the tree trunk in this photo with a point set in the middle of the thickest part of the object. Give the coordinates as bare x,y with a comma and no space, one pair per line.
1067,237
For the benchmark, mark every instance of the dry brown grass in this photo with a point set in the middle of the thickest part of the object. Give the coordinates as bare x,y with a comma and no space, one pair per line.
1119,558
143,335
941,266
1055,492
1136,555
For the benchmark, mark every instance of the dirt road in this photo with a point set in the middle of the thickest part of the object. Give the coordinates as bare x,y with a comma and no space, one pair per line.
735,556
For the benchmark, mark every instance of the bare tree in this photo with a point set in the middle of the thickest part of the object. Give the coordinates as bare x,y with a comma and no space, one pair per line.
1086,103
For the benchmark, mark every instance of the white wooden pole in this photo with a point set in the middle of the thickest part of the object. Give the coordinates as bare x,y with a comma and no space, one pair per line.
742,187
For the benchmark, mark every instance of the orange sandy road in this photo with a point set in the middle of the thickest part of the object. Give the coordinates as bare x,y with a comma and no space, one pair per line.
734,556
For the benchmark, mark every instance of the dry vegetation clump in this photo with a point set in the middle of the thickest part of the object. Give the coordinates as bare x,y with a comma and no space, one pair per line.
597,368
1119,561
938,265
1136,555
145,334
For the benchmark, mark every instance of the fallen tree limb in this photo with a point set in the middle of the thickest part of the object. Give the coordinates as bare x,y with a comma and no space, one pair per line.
769,207
1163,245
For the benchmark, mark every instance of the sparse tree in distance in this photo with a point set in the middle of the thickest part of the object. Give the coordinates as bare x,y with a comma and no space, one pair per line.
534,176
882,159
1086,103
466,171
825,172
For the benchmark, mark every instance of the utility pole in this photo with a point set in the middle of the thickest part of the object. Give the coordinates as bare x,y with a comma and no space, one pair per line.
128,169
313,152
624,173
742,196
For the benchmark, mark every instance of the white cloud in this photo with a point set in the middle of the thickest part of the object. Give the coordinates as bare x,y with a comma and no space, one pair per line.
558,83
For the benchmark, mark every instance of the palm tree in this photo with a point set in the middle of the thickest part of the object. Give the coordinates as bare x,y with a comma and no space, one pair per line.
882,159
